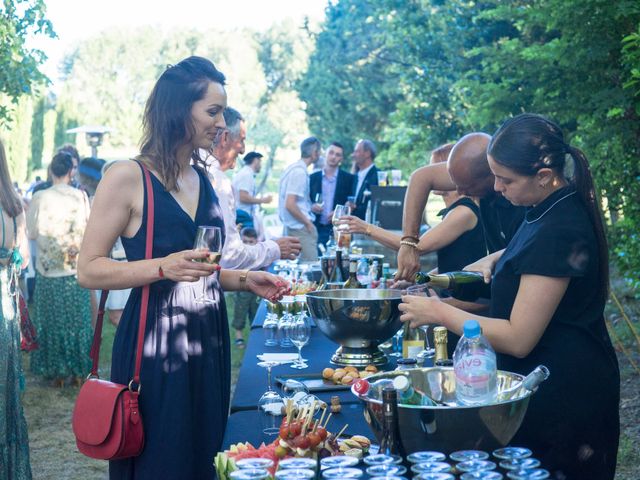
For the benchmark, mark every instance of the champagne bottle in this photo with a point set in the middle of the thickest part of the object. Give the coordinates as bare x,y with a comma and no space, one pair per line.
390,444
528,384
337,276
352,281
442,357
466,286
325,261
407,395
412,341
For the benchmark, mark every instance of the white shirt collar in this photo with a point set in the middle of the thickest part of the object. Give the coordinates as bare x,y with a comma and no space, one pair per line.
363,173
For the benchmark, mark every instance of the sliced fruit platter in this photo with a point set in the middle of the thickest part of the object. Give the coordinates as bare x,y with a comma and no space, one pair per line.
300,435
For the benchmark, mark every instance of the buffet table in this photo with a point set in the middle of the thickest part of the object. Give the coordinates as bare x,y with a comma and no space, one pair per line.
244,422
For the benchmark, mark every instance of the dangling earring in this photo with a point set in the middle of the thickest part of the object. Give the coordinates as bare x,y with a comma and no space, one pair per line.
543,185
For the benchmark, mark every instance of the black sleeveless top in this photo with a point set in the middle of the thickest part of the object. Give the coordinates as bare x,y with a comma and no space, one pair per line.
468,247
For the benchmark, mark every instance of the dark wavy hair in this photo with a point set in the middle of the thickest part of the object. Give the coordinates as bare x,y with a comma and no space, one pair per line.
529,142
9,199
167,115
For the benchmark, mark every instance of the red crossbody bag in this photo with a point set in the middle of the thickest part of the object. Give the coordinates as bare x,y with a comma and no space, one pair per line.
106,418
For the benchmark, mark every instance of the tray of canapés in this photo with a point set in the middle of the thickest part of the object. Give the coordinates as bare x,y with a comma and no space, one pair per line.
330,379
301,438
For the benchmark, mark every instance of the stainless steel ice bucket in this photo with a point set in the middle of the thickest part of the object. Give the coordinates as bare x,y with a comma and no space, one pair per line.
447,429
358,320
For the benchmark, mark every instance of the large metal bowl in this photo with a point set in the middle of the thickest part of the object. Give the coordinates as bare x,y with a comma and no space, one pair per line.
358,320
450,428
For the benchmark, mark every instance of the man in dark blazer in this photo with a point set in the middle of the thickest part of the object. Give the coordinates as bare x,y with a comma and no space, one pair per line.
334,186
364,156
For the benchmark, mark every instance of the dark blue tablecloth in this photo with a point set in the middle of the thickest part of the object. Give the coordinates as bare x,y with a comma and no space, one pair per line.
261,313
252,380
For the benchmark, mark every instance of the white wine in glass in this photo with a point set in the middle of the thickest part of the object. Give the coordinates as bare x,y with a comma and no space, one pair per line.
208,238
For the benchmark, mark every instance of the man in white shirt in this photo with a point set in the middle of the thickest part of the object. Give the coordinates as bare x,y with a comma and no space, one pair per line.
294,206
235,254
244,190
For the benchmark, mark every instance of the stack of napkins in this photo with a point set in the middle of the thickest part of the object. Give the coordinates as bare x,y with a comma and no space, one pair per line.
278,357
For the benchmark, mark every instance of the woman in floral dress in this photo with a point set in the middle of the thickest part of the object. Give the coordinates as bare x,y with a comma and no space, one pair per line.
14,254
56,219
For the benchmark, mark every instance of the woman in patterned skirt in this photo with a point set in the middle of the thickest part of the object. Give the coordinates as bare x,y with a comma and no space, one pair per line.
56,220
14,254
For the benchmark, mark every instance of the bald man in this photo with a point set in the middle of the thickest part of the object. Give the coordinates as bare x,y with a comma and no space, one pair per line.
466,171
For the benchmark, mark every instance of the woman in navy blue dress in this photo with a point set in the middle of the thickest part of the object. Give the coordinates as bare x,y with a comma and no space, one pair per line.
185,371
548,294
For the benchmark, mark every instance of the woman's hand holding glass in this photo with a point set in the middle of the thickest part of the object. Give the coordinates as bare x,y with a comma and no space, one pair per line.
187,266
421,310
354,224
208,242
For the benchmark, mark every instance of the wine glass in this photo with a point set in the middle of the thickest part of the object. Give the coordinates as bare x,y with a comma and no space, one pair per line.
270,403
299,332
208,238
318,200
285,321
341,230
428,351
338,212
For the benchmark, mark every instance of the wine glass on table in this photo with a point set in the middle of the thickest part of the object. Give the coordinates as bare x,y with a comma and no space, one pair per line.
208,238
299,332
428,351
270,403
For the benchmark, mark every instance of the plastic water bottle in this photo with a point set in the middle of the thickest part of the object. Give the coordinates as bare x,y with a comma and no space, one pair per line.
474,362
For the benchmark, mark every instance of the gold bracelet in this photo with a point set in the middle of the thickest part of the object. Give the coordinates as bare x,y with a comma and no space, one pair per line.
409,244
243,279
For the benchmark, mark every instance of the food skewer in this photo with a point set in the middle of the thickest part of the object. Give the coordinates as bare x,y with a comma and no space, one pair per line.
341,431
327,422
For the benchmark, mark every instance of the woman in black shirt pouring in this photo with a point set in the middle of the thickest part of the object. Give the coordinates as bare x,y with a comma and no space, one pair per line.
548,294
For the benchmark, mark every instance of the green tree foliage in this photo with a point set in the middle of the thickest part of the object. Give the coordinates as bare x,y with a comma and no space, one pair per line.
446,68
37,135
111,91
20,19
16,136
347,88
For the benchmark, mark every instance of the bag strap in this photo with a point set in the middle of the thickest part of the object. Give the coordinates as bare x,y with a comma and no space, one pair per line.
144,307
94,353
148,254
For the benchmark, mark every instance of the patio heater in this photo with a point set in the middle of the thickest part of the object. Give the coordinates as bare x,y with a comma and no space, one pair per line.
93,134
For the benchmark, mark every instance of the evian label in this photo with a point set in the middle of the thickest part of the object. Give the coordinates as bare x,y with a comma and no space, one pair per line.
474,374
